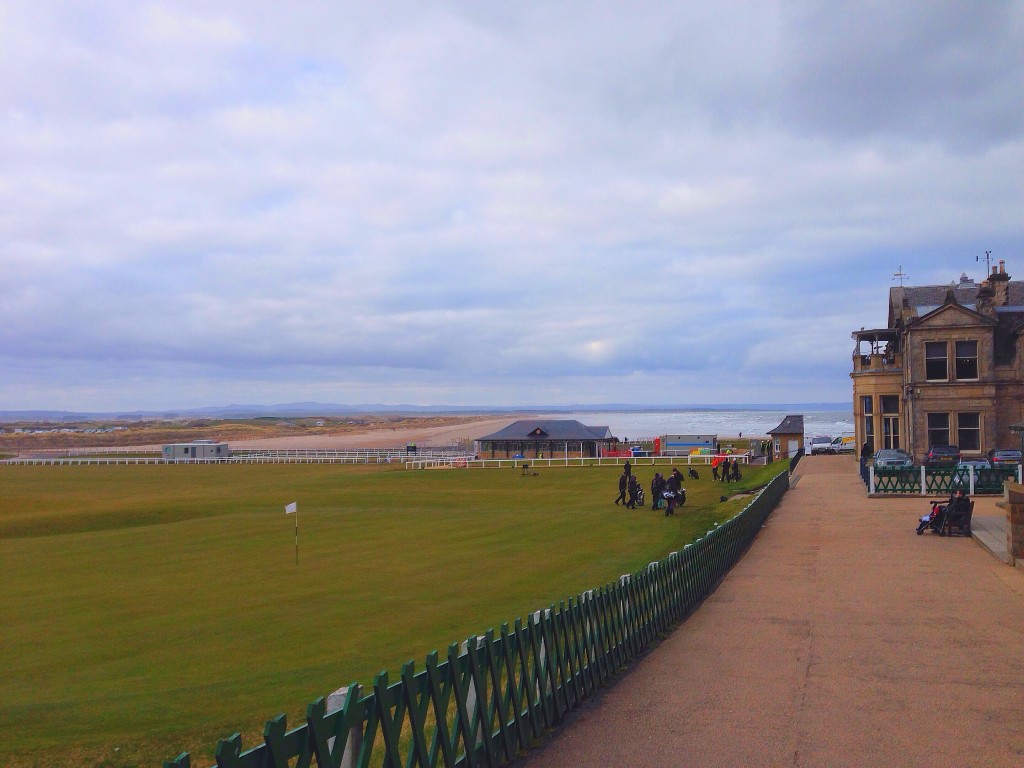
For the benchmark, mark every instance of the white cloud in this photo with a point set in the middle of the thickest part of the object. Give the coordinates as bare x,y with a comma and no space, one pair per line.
482,204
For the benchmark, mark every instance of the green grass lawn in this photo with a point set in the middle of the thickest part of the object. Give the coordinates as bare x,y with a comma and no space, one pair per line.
153,609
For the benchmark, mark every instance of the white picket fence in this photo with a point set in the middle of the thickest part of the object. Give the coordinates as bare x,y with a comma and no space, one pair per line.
420,460
254,457
469,462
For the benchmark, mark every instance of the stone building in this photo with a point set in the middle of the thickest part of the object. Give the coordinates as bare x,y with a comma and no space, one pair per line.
787,438
947,370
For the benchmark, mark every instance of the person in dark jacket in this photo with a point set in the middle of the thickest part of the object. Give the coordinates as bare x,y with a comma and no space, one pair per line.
623,481
657,488
672,490
954,512
633,486
724,469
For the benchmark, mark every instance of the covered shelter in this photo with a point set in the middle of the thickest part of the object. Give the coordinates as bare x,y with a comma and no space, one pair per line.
788,437
547,438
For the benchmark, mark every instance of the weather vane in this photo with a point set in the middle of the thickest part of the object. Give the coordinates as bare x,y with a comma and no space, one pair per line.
988,261
900,275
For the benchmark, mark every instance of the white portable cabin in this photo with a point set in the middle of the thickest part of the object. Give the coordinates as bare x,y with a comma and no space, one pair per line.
684,445
198,449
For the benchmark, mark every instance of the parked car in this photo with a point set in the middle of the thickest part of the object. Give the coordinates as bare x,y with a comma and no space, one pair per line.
1004,457
942,456
821,444
963,478
893,458
844,444
976,463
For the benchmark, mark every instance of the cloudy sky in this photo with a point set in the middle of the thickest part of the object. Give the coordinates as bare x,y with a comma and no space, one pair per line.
488,203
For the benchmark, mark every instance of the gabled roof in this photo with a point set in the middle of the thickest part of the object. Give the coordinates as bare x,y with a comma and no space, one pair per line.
549,429
791,425
919,300
957,308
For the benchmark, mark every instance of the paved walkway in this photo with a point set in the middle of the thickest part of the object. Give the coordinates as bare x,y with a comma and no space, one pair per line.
989,529
840,639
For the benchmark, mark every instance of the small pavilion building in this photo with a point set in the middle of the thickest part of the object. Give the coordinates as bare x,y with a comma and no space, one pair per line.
547,438
787,438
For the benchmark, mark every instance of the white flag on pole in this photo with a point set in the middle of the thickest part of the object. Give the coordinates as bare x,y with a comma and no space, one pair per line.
293,507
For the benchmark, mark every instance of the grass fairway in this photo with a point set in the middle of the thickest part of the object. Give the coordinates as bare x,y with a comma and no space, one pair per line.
153,609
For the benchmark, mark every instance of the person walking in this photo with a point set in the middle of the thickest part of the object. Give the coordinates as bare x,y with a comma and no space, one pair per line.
623,481
672,489
725,469
633,486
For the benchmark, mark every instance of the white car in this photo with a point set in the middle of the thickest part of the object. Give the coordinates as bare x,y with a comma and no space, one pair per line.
821,445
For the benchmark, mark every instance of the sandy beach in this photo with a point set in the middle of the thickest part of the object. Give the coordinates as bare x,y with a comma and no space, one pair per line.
433,437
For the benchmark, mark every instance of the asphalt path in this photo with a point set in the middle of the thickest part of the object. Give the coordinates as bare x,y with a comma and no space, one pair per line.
840,639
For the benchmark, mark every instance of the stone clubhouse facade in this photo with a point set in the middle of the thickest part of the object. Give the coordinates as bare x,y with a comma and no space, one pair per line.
948,369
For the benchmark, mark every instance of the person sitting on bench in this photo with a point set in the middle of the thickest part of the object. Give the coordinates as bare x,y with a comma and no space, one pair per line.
954,513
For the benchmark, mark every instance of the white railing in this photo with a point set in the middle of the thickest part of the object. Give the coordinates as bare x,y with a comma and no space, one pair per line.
69,461
419,460
347,453
469,462
243,459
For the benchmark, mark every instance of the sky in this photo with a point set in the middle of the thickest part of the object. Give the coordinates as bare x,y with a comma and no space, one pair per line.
488,203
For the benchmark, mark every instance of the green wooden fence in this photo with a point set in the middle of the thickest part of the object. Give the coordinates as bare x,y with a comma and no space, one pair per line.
492,697
941,481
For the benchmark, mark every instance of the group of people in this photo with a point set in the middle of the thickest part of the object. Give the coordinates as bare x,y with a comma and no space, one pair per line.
628,484
726,470
665,492
668,491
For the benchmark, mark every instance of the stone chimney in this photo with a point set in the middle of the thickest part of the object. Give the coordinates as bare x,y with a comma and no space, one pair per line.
983,299
1000,282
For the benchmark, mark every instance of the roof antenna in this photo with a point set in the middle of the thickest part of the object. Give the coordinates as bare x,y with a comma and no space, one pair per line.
988,262
900,275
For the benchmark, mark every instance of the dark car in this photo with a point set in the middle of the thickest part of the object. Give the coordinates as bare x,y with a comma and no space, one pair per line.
1004,457
942,456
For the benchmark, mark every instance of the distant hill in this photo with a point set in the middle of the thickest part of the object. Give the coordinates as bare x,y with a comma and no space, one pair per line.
294,410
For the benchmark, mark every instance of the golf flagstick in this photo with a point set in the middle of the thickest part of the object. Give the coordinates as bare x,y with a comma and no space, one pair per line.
288,510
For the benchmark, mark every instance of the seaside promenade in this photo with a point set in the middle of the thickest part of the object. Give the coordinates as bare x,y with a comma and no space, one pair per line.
840,639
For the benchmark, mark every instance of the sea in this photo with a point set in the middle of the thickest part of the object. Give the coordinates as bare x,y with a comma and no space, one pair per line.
640,425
